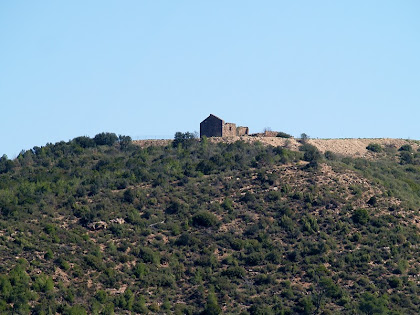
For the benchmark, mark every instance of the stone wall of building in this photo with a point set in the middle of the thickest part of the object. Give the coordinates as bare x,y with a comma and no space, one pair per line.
212,126
242,131
229,130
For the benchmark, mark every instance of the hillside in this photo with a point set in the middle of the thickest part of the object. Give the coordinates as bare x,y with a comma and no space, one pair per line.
102,226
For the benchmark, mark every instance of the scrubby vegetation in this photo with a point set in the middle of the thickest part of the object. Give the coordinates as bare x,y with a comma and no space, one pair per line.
374,147
282,134
97,226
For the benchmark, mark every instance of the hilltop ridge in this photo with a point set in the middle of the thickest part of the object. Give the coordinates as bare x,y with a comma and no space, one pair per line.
354,147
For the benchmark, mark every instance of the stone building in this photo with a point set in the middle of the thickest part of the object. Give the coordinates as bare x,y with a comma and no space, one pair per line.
213,126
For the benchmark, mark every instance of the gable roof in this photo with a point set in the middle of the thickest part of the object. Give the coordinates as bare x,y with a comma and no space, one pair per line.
211,115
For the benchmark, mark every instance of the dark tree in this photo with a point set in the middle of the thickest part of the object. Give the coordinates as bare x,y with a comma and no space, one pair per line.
84,142
304,138
105,138
124,141
185,139
5,164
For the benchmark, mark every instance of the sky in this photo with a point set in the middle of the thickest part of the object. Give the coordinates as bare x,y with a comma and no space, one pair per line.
147,69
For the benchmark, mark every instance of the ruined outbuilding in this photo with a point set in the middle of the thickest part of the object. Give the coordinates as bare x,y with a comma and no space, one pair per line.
214,126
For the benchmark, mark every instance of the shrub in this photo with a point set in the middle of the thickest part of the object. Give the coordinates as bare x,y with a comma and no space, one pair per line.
260,308
394,282
129,196
186,239
76,310
374,147
330,288
360,216
147,255
311,155
311,152
177,207
205,219
283,135
330,156
370,304
306,306
373,201
406,147
254,259
227,204
248,197
234,272
406,158
206,167
212,307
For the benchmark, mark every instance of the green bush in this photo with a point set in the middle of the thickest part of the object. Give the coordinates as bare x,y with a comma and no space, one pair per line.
205,219
234,272
374,147
311,152
212,307
147,255
283,135
330,288
76,310
406,147
394,282
371,304
330,155
360,216
406,158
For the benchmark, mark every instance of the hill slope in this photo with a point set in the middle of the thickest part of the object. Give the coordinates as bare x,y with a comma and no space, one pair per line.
99,226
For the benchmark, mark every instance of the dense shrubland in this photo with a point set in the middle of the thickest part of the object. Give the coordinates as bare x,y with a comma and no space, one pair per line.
99,225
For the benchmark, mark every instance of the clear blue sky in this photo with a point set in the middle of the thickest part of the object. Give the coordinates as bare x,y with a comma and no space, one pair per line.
147,69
